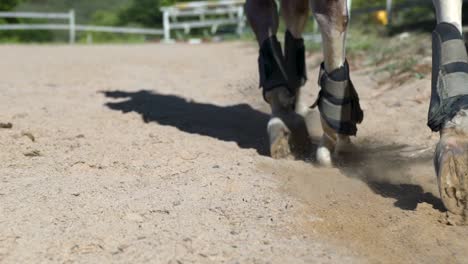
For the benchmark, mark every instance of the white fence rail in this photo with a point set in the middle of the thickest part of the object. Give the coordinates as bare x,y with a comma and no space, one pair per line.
70,16
36,15
227,12
197,15
70,26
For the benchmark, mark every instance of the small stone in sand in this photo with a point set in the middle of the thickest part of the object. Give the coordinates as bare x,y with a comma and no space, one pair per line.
6,125
34,153
29,135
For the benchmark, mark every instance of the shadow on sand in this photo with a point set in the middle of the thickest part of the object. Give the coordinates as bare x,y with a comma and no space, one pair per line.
238,123
388,173
383,168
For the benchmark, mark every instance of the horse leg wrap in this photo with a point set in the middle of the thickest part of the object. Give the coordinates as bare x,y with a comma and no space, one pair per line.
295,62
271,66
449,75
338,101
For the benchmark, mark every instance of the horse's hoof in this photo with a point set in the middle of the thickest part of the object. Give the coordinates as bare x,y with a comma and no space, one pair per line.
279,136
324,157
451,163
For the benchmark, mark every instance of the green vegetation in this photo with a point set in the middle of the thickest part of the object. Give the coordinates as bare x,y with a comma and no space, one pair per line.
6,5
397,58
388,53
146,13
140,13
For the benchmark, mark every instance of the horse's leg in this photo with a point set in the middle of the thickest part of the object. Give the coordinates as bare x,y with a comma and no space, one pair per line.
338,103
263,18
448,112
295,14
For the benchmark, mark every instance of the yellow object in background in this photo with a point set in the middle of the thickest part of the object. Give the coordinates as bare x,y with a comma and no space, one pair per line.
381,17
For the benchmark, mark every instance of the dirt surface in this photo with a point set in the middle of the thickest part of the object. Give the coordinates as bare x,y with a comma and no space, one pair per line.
158,153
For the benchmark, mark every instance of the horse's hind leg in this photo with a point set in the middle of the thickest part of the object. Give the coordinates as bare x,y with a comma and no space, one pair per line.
295,14
338,101
278,90
448,113
263,18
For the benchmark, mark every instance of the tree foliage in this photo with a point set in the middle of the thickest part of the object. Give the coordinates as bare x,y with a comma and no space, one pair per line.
145,12
6,5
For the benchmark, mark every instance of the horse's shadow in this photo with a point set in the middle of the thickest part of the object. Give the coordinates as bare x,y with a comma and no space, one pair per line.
247,127
238,123
388,173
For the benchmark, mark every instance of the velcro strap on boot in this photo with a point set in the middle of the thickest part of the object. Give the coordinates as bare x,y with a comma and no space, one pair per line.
271,65
295,61
449,75
338,101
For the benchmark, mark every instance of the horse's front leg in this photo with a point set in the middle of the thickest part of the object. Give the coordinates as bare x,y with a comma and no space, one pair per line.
281,73
448,112
338,101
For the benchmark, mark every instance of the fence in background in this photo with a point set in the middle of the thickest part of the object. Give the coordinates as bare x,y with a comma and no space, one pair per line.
199,15
203,14
71,26
390,6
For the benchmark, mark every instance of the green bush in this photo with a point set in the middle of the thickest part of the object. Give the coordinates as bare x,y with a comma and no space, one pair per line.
6,5
144,12
20,36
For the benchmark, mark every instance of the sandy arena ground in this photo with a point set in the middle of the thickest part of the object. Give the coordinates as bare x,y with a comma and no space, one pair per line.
158,154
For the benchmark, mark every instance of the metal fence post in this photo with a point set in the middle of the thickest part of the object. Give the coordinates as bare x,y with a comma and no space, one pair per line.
72,26
350,4
167,26
240,23
389,11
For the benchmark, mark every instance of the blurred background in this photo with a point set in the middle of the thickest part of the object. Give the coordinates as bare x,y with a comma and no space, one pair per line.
379,35
370,16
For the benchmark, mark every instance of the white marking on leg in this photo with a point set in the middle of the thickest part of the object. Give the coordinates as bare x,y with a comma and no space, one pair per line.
274,123
279,139
449,11
332,17
276,128
325,150
302,107
324,156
